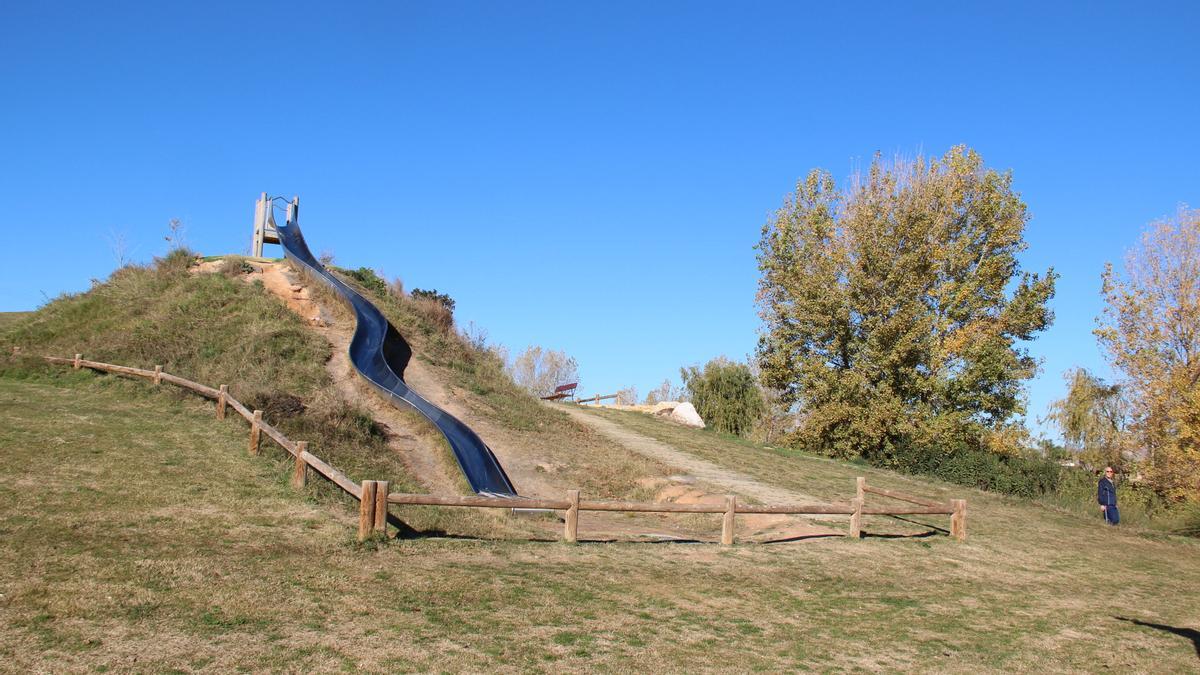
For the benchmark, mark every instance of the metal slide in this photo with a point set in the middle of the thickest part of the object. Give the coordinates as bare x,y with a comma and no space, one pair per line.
380,355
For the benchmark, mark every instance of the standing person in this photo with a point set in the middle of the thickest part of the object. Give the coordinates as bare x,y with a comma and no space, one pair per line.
1106,494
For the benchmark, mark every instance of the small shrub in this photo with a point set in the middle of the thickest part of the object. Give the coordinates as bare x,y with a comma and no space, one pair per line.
235,266
445,300
369,279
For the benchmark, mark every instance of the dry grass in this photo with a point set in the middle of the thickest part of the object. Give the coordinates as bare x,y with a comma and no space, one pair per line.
9,318
140,536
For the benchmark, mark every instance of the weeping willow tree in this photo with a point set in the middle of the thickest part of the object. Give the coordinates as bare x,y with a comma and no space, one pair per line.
725,394
1093,418
895,310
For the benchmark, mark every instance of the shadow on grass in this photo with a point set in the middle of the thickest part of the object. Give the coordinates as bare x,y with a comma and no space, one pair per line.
802,537
918,535
1189,633
409,533
917,522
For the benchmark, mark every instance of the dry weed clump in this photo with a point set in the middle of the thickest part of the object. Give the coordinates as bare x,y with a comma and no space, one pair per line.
435,313
235,266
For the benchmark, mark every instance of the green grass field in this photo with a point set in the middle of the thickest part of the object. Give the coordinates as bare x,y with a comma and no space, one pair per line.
139,535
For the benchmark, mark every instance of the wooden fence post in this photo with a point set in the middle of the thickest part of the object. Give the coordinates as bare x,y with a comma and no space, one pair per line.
300,470
157,374
571,526
856,518
381,506
366,510
727,521
222,400
77,364
860,488
255,432
958,520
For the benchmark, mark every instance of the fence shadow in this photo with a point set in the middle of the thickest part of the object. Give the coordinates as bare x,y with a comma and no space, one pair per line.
917,535
1189,633
917,522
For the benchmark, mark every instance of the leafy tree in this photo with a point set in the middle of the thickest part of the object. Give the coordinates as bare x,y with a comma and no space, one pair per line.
1150,330
1092,418
893,309
541,370
725,394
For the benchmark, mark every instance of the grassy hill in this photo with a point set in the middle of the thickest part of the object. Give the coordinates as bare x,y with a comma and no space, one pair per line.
9,318
140,535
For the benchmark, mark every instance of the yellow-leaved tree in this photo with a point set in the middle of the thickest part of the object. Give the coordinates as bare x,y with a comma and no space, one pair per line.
1150,330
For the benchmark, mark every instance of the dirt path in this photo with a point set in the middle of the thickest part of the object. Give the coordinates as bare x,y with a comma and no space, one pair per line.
704,470
752,527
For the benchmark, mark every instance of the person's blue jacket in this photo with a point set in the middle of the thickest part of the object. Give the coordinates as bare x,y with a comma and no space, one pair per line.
1106,494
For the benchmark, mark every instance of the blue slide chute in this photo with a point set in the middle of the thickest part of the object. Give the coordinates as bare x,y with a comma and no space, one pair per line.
380,354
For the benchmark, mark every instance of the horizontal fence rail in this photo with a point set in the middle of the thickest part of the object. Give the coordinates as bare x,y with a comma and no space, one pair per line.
374,497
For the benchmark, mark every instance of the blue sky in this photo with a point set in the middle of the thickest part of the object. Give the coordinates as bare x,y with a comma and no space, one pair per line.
590,177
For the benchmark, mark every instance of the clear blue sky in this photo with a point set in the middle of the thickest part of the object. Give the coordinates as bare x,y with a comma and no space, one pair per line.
590,177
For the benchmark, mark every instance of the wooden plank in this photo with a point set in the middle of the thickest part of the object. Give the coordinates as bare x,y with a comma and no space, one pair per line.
910,511
856,519
381,507
727,521
571,524
317,464
902,497
300,468
480,502
255,438
78,358
123,370
366,510
222,401
797,509
207,392
277,436
157,375
239,408
860,487
652,507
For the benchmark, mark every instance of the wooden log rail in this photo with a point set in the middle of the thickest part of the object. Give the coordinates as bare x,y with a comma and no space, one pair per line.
374,497
595,399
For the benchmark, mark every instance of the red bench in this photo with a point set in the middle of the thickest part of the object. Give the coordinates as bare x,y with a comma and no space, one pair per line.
562,391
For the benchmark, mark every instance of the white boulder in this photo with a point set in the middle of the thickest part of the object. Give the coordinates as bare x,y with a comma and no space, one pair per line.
685,414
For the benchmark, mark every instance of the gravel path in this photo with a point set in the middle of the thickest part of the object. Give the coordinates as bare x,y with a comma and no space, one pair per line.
703,470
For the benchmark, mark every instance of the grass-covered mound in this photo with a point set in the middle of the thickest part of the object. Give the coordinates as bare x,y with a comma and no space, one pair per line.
213,329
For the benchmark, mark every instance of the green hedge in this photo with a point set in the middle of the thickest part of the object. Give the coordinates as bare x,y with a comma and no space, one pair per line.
974,467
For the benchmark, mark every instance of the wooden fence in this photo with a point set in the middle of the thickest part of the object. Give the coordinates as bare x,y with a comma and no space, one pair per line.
374,497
